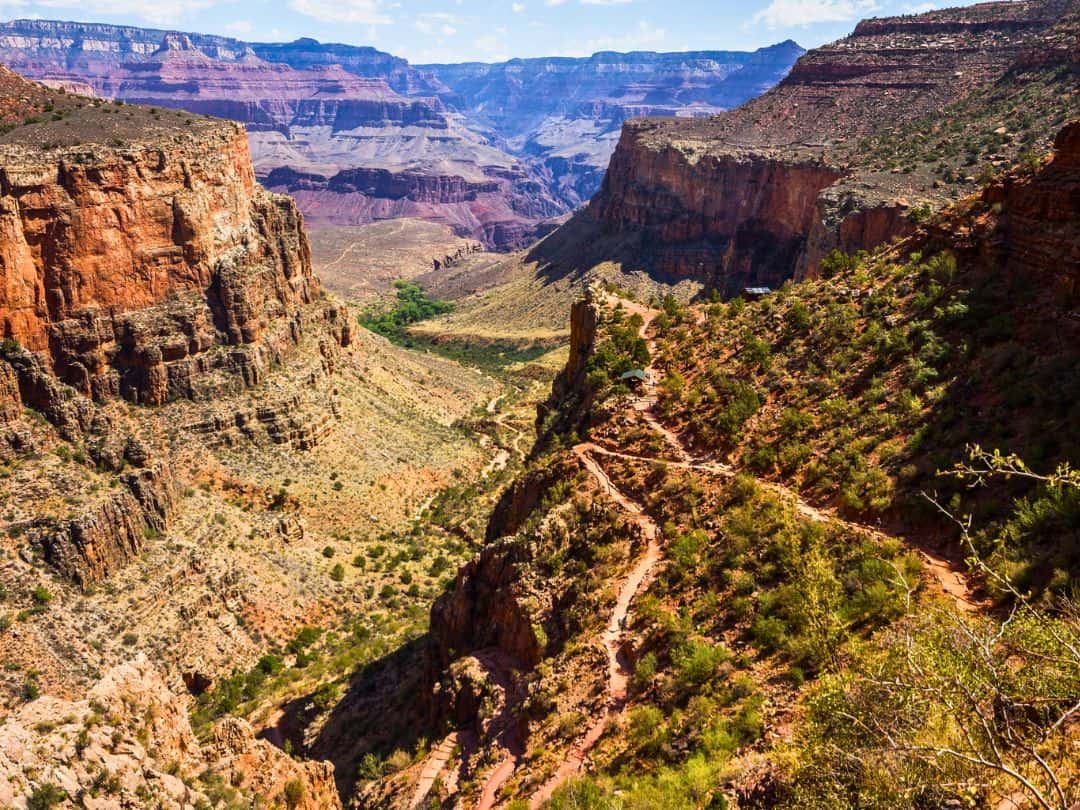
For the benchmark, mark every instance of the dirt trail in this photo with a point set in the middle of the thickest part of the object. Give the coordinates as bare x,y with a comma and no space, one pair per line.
499,670
433,768
950,577
613,637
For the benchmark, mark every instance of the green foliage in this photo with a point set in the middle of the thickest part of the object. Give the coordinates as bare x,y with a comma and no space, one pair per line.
412,306
46,796
294,793
622,350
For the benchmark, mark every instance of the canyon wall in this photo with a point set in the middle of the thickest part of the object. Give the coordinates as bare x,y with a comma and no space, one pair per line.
847,149
143,740
535,134
566,113
124,267
150,270
310,110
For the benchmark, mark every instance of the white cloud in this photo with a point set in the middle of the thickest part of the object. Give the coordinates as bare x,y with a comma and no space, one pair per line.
784,13
644,36
605,2
518,7
156,12
437,22
239,27
358,12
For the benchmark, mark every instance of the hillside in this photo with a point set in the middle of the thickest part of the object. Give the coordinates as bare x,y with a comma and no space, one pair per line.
205,464
659,621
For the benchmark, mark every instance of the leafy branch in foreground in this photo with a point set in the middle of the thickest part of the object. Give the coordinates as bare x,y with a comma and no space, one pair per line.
949,707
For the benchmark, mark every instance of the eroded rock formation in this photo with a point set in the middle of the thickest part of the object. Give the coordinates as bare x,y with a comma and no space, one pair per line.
842,152
133,729
150,270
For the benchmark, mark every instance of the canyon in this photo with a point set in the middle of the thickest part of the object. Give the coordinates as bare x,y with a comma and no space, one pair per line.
356,135
590,537
845,153
189,425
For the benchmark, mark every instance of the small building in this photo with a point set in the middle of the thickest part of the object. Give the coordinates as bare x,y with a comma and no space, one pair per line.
634,378
756,293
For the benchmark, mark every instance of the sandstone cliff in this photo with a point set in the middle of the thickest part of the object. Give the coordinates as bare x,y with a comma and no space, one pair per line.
124,268
149,268
847,148
566,113
315,115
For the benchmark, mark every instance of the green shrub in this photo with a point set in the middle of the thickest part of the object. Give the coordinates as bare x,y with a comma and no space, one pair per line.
45,797
294,793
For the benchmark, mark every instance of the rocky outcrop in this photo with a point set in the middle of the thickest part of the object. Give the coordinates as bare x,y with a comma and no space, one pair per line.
761,194
259,769
485,609
1040,221
729,221
133,729
104,538
150,272
126,269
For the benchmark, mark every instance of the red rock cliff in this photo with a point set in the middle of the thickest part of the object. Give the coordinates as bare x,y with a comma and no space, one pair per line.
120,267
840,152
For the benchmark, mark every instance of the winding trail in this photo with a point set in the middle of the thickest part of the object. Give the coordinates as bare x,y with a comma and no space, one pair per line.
433,768
613,637
951,577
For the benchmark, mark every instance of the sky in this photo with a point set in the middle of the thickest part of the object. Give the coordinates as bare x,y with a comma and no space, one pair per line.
492,30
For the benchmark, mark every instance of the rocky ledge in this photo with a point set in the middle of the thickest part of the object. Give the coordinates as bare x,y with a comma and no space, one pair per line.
845,149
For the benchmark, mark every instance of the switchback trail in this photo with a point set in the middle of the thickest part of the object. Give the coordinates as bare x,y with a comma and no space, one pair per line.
613,637
951,578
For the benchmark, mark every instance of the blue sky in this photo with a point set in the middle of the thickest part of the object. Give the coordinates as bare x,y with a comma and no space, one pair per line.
491,30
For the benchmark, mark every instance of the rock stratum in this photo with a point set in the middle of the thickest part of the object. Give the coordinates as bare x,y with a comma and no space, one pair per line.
861,138
143,268
356,135
567,113
136,732
148,269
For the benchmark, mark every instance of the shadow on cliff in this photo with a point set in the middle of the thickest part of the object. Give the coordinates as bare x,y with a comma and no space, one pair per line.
752,257
380,712
577,247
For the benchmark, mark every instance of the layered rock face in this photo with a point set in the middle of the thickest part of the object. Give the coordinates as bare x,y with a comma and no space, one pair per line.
1040,220
839,153
124,267
153,271
313,112
529,138
566,113
134,729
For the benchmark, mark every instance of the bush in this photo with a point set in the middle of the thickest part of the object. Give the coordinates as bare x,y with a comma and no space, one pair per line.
647,730
337,573
696,663
45,797
294,793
